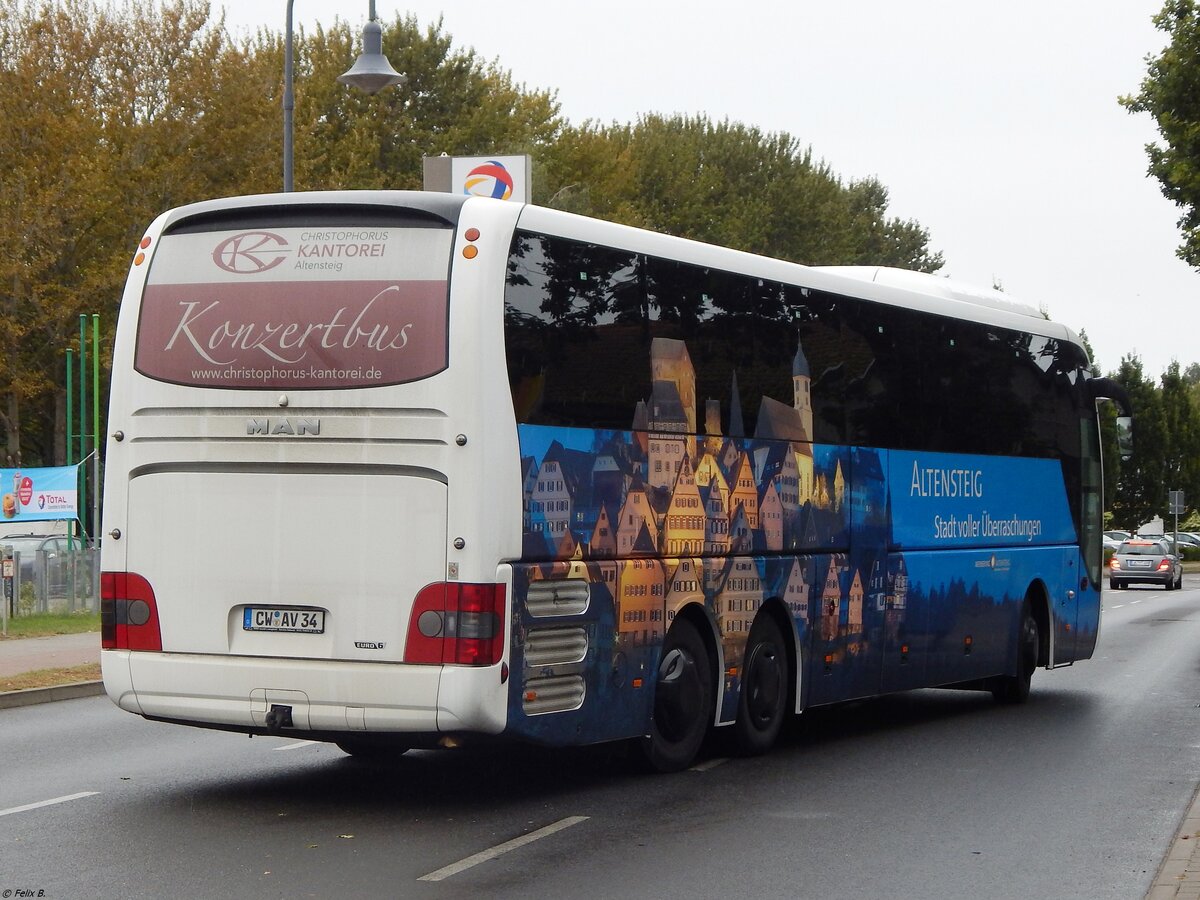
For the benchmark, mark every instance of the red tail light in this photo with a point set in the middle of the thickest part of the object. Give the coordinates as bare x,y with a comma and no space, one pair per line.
128,613
1114,563
462,624
1164,565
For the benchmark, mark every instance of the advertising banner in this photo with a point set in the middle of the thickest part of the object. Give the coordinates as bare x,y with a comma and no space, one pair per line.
296,308
949,501
40,494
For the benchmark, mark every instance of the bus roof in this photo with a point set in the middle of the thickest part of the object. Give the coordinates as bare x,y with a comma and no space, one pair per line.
897,287
935,285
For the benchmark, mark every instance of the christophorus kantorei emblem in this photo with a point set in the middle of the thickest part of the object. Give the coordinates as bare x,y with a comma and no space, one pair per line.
250,252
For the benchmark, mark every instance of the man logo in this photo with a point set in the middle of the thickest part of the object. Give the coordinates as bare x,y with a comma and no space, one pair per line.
250,252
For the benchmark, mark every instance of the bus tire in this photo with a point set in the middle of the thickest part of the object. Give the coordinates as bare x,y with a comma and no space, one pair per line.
1015,688
373,751
762,701
683,701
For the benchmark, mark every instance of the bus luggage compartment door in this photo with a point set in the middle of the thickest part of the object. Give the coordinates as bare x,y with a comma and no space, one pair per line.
275,563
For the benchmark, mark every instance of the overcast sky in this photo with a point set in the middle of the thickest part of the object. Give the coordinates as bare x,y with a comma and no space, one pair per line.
996,126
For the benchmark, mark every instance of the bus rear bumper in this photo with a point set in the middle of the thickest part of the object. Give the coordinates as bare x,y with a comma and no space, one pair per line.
332,696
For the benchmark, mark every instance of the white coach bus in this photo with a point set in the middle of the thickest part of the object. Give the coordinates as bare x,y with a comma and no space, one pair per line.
395,470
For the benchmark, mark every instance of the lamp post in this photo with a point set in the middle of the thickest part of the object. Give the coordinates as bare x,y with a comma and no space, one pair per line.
371,73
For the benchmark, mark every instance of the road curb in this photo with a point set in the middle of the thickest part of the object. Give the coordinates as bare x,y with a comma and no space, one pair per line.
1178,876
11,699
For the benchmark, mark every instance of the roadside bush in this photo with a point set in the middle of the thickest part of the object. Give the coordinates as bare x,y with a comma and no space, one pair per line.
28,600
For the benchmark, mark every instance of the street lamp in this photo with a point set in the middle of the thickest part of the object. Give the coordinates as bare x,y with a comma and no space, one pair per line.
371,73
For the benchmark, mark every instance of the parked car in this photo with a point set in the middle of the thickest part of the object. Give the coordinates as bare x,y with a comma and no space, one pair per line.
1185,539
1139,561
1113,539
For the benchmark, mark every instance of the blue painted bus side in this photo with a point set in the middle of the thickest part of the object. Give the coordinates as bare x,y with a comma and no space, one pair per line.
898,569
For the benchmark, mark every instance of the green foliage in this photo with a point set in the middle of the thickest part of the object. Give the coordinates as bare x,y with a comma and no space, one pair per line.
731,184
45,624
1141,492
1166,449
111,113
1170,92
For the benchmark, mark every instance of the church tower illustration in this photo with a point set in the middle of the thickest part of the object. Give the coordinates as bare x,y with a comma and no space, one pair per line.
801,384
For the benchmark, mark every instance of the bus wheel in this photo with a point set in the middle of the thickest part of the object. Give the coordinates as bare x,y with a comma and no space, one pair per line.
683,701
762,703
373,751
1015,688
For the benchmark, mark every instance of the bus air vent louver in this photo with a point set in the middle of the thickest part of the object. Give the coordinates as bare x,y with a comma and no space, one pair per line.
557,598
555,646
551,695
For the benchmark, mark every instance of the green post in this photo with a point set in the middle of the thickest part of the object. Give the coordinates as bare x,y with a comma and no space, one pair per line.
70,424
82,415
70,405
96,430
96,388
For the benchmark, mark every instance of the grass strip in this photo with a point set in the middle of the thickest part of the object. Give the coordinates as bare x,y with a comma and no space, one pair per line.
48,624
50,677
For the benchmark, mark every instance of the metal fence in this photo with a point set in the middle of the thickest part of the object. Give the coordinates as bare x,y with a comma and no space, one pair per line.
62,580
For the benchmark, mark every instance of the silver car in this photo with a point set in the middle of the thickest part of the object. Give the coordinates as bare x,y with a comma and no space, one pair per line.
1145,562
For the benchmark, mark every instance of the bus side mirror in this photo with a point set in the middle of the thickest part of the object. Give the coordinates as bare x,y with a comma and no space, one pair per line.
1125,436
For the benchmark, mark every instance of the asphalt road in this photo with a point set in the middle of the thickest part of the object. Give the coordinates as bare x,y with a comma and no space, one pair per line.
926,795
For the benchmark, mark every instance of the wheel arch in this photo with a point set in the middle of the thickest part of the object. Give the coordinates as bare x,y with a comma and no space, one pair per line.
706,626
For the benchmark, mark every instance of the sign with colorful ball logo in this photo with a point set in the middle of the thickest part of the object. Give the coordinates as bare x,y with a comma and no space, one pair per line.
497,177
491,179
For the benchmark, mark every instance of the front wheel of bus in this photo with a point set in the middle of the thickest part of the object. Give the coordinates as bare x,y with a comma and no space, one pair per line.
1015,688
762,702
683,701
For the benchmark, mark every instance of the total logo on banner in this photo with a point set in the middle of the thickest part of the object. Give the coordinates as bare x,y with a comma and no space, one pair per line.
39,494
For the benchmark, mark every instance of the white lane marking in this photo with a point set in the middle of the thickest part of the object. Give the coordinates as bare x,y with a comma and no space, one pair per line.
39,805
500,849
1132,602
1116,606
710,764
296,746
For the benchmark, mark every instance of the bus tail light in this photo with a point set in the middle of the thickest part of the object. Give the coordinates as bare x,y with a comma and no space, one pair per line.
128,613
461,624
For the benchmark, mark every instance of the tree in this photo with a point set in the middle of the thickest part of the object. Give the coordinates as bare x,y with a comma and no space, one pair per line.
1142,492
1181,455
451,102
732,184
99,134
1170,92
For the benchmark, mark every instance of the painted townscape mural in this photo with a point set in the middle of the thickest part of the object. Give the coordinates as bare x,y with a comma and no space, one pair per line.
668,513
673,511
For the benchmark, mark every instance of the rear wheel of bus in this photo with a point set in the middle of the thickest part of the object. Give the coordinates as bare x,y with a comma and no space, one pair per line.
762,702
683,701
1015,688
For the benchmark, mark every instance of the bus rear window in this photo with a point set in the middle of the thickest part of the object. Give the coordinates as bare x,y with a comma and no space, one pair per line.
296,307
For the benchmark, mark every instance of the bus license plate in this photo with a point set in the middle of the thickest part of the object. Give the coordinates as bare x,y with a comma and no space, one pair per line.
263,618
